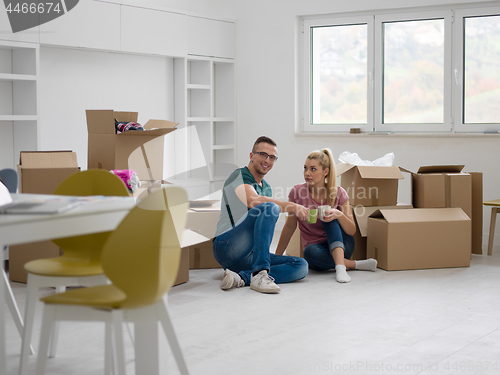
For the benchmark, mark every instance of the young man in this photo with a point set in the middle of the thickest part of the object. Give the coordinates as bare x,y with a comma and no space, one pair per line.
246,227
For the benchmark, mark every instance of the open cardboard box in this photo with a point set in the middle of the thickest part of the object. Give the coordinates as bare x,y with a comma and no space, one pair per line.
40,172
141,151
370,185
201,222
419,238
204,221
361,214
189,239
443,186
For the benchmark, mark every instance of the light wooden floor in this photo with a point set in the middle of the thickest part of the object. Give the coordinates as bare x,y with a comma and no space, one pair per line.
444,321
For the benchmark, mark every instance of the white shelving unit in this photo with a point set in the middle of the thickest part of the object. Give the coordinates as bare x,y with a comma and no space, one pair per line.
19,70
206,104
202,50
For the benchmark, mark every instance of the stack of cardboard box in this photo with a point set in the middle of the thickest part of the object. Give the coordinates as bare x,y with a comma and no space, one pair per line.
40,172
440,229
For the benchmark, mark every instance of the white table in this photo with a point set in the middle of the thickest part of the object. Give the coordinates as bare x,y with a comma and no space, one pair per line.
100,216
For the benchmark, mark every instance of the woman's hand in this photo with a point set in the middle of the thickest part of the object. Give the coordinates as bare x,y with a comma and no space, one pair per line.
331,215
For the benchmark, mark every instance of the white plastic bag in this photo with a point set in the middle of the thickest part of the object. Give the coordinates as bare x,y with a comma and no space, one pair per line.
353,158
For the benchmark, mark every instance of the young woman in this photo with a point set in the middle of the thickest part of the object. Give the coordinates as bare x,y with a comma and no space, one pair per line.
328,243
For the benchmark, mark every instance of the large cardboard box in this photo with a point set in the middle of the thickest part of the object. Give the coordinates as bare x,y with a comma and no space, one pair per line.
141,151
370,185
477,212
295,247
447,186
419,238
40,172
361,214
203,221
189,238
442,186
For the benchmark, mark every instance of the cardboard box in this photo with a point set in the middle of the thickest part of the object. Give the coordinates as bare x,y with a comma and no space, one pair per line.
295,247
201,256
141,151
442,186
370,185
40,172
361,214
419,238
203,221
189,239
477,212
19,255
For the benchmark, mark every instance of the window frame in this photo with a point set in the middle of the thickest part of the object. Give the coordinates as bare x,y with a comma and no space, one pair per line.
306,99
453,86
458,69
379,125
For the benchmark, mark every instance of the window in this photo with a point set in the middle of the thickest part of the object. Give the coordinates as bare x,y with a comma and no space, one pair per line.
477,71
428,71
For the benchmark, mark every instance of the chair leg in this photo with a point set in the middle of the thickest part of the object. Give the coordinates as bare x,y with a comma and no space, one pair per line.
118,348
29,316
55,329
162,313
108,349
49,316
494,211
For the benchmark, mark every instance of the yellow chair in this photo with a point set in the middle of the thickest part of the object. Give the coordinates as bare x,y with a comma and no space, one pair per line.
495,205
80,265
141,258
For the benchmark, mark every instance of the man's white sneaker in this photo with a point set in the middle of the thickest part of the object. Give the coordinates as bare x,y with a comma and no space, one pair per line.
264,283
231,280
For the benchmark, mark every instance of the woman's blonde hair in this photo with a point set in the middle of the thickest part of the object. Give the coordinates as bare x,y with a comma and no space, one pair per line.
325,158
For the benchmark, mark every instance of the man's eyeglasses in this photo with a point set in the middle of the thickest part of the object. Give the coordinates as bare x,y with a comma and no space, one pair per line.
265,155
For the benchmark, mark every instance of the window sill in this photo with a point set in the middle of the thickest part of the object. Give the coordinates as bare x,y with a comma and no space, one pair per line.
398,135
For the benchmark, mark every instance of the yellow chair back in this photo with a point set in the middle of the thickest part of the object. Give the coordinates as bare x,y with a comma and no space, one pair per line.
86,183
142,256
92,182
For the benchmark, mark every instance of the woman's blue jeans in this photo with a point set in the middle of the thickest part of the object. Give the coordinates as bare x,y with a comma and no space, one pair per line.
319,256
245,248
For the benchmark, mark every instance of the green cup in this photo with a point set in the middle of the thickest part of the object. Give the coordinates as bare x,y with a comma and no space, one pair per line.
313,216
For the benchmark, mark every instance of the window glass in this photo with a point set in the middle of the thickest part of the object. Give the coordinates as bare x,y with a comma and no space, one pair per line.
339,74
413,72
481,100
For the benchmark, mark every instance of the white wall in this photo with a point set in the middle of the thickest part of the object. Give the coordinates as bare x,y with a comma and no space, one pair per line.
266,101
72,81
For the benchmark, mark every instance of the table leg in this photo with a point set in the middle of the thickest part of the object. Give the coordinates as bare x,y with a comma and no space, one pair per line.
494,211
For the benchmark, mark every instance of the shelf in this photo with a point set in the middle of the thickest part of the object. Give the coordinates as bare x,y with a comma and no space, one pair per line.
223,147
193,86
218,178
18,117
196,119
223,119
17,77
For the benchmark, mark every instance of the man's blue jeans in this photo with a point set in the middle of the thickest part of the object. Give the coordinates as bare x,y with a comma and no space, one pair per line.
245,248
319,256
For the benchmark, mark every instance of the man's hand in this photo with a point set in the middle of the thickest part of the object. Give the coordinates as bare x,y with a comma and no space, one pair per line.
301,212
